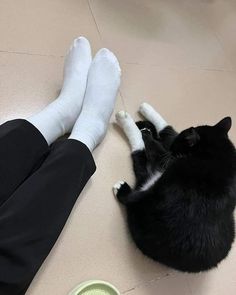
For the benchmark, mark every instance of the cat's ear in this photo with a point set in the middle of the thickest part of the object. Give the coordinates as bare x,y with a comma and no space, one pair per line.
224,125
192,137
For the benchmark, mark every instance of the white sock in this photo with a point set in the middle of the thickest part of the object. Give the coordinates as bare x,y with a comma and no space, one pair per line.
131,130
59,117
153,116
102,87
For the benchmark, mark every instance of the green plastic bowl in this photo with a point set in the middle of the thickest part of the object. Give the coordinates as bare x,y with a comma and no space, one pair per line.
95,288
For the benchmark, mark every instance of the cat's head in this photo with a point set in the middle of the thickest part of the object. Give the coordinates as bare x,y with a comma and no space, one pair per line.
202,139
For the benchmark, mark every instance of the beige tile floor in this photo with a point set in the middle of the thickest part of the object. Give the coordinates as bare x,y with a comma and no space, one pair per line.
178,55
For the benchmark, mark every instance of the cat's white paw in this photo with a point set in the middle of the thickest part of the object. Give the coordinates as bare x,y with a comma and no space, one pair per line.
127,124
153,116
145,108
122,117
117,186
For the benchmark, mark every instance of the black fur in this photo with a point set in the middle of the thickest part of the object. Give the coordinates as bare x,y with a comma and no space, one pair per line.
149,126
185,220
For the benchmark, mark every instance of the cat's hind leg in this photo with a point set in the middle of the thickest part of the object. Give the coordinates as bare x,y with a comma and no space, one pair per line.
153,116
136,142
131,131
166,132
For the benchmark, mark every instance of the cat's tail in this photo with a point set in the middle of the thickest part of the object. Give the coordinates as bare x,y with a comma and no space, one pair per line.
147,125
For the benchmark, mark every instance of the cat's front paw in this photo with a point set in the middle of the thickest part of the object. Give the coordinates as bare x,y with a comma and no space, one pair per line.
122,117
145,108
121,190
117,187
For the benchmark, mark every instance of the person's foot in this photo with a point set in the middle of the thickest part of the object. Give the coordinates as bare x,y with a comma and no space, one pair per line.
102,87
59,117
77,64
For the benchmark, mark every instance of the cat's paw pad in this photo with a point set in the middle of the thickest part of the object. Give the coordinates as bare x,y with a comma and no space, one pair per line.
117,187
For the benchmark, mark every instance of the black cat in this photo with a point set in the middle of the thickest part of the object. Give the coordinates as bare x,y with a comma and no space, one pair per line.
180,212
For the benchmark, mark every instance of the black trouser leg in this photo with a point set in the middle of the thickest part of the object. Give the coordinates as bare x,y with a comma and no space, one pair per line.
22,149
32,218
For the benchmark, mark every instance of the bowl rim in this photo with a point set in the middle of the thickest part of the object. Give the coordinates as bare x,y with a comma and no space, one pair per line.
89,283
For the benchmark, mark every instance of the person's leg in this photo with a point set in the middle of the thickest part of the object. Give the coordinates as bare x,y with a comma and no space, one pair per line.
59,117
33,217
99,101
24,143
22,150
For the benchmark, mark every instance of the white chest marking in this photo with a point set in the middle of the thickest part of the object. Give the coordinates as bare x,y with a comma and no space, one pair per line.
150,182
